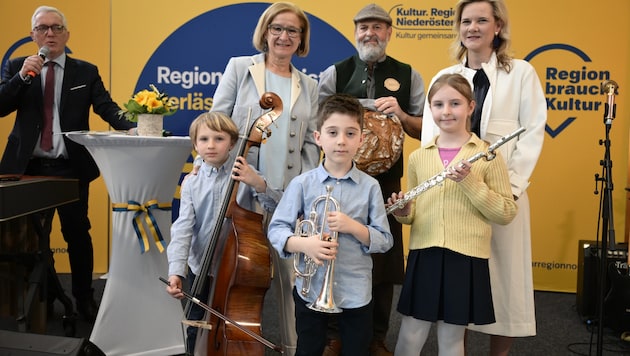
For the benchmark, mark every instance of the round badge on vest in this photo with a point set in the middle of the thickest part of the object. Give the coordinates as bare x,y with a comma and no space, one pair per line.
392,84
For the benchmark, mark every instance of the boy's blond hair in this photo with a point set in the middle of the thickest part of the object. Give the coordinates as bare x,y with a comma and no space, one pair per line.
215,121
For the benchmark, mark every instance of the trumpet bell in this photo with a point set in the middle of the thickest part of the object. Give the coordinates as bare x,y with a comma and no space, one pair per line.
326,305
305,228
325,302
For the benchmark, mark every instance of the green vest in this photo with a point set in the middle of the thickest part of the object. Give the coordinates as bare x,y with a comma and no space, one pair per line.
391,78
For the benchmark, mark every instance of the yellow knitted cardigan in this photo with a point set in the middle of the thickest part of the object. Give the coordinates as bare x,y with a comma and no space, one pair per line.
455,215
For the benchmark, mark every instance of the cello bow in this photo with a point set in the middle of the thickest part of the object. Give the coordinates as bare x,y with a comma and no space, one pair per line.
207,308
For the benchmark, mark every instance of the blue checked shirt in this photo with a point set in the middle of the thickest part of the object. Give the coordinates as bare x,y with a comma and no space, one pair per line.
200,203
359,197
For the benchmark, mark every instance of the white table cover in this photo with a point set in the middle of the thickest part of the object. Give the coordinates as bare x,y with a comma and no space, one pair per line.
136,315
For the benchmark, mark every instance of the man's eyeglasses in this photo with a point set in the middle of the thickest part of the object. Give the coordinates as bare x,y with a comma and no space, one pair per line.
56,29
276,30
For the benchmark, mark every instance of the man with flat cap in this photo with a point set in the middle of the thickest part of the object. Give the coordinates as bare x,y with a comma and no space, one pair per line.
383,84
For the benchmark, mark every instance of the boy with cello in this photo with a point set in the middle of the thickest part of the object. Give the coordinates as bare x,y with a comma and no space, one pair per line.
213,135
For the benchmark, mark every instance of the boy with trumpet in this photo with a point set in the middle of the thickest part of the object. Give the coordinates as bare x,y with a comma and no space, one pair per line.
361,229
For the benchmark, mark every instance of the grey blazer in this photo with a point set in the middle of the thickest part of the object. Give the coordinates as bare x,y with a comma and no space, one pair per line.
240,89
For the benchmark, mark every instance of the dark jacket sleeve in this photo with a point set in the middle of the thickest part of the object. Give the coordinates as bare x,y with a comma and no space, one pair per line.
83,88
12,87
26,99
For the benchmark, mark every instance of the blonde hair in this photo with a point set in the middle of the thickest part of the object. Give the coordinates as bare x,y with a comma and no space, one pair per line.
215,121
259,40
499,10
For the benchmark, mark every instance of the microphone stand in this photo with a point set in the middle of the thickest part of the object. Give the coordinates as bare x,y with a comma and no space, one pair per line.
608,226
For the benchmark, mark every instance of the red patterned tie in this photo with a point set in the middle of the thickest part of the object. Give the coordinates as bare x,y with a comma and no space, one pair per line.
49,99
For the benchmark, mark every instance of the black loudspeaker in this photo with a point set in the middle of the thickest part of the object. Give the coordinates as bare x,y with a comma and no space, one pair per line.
617,300
24,344
616,285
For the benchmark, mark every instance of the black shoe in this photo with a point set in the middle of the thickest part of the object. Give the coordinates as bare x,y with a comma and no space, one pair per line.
88,309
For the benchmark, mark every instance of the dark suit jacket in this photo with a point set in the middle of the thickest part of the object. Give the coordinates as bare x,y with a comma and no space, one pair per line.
82,88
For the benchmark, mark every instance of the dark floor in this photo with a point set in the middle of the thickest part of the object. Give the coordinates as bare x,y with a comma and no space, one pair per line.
561,331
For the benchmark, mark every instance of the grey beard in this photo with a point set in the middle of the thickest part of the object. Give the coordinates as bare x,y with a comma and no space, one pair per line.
369,53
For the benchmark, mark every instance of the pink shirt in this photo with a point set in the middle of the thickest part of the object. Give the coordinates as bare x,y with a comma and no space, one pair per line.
447,155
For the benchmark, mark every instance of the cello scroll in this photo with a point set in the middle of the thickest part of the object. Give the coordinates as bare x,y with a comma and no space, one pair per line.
271,101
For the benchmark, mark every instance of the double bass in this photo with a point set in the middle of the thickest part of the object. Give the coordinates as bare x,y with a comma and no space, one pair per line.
237,265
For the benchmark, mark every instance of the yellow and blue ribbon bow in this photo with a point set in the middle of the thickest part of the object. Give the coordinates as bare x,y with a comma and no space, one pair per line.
149,219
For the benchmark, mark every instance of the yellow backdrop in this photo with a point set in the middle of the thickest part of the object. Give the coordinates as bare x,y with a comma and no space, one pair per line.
120,36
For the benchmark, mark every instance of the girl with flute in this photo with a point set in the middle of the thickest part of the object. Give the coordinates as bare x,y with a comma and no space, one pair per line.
447,280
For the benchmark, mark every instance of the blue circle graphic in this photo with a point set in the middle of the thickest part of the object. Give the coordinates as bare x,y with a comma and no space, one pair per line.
194,56
558,46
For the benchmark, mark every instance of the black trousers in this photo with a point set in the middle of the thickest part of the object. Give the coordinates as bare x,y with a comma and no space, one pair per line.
355,329
75,225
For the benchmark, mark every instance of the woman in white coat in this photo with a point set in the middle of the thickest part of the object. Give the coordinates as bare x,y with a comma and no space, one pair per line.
283,30
510,97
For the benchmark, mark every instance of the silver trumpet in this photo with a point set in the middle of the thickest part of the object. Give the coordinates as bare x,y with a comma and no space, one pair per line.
308,227
439,178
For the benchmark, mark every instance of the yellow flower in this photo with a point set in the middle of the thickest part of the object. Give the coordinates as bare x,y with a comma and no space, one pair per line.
153,104
142,97
147,102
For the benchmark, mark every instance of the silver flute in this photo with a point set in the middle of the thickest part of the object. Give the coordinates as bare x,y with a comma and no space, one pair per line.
439,178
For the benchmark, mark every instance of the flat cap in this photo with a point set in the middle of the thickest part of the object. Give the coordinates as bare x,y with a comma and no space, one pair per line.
373,12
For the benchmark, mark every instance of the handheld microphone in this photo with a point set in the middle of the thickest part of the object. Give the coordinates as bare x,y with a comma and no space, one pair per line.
43,53
608,88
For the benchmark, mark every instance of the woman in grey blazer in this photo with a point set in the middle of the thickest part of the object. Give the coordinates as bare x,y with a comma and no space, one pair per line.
283,31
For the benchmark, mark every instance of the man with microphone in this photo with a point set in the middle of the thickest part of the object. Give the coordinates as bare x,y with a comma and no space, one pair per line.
42,53
52,93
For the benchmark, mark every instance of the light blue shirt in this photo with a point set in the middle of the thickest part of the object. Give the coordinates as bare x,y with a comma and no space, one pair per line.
273,153
359,196
201,198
